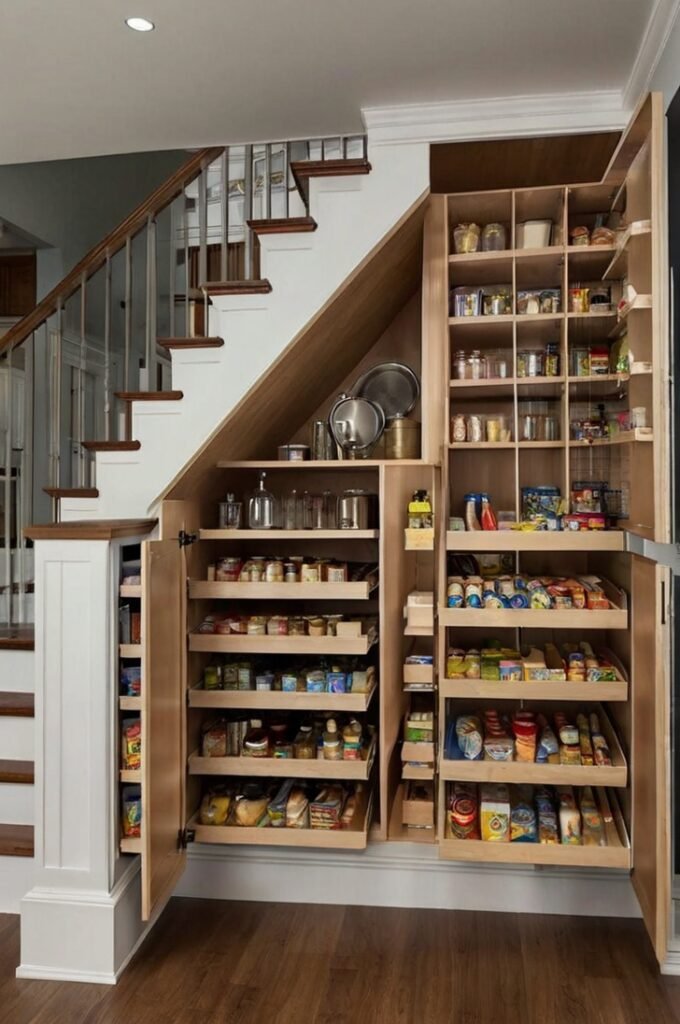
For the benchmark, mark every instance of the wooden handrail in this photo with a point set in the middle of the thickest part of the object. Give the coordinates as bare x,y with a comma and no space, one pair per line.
113,243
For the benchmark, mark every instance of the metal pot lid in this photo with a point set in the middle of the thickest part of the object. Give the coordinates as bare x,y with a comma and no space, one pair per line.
393,386
356,423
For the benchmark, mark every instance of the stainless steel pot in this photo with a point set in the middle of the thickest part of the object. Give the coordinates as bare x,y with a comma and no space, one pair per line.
356,510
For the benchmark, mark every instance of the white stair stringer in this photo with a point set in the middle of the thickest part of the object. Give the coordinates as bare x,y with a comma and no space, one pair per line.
353,214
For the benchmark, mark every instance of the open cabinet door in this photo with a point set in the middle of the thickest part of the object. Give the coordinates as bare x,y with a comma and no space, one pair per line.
651,815
163,733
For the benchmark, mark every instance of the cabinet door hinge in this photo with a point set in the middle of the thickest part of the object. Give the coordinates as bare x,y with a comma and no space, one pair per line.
184,837
185,539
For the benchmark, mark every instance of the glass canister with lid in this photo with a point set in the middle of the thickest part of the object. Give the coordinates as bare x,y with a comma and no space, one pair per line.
494,238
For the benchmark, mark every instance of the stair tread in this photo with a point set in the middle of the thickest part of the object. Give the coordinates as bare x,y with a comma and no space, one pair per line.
149,396
282,225
179,343
71,492
237,287
303,170
16,840
17,705
17,638
16,771
112,446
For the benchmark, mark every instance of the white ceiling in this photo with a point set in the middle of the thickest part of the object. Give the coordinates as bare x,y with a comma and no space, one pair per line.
75,81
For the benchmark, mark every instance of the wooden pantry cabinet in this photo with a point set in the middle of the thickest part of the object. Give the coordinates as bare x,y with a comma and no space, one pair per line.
396,306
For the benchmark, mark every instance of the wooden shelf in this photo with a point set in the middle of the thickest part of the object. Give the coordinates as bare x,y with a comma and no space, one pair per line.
617,266
130,590
130,703
475,321
419,674
593,314
536,540
284,767
353,838
643,434
537,774
463,446
640,303
131,775
245,644
130,650
204,590
419,630
505,386
412,771
276,700
540,444
339,464
472,689
564,855
253,535
527,618
129,844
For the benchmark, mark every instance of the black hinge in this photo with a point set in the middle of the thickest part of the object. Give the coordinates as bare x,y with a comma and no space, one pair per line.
185,539
184,837
663,602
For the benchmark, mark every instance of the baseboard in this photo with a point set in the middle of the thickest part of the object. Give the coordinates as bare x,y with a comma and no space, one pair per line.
401,875
105,931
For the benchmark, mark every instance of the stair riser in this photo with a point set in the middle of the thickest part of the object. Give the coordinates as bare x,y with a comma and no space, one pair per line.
17,738
16,878
16,804
17,672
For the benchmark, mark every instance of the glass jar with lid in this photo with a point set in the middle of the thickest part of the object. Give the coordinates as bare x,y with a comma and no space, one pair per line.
262,507
477,365
460,365
493,238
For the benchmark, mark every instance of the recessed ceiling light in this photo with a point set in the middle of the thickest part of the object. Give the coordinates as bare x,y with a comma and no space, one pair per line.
140,24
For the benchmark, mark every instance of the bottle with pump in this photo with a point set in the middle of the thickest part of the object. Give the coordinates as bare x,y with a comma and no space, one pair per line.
262,507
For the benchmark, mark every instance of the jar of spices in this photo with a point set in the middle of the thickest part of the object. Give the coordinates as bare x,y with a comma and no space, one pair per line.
475,428
277,625
458,428
297,626
257,625
460,365
290,572
477,366
273,572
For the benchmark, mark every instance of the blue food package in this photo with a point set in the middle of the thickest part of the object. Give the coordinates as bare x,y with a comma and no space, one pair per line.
131,680
336,682
289,682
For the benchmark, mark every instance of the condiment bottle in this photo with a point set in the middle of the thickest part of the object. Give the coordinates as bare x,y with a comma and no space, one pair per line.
471,520
420,511
256,742
332,744
489,521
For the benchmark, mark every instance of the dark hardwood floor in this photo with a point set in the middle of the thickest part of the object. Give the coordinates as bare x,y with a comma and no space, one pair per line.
210,962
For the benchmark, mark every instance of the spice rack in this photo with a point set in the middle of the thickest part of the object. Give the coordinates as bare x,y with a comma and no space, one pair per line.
131,658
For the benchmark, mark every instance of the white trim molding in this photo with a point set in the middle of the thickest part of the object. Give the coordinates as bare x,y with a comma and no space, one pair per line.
401,875
497,117
654,39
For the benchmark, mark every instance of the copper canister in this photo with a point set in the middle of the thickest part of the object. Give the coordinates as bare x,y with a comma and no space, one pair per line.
402,439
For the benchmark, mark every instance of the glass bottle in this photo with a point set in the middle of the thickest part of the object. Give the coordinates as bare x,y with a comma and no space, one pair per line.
230,513
460,365
330,510
291,514
262,507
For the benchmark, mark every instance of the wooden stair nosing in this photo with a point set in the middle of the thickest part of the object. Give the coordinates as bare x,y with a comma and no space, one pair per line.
149,396
237,287
282,225
16,840
18,772
71,492
187,343
303,170
17,638
17,705
112,446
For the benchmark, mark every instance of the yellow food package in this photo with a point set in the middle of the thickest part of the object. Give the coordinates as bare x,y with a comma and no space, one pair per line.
495,812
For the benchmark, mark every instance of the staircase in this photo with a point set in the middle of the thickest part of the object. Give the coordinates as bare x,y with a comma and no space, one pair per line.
223,292
16,772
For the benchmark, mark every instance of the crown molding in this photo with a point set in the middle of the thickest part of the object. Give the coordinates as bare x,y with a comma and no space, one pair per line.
654,39
497,117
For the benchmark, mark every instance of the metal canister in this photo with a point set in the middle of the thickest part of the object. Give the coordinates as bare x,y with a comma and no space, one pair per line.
402,439
354,510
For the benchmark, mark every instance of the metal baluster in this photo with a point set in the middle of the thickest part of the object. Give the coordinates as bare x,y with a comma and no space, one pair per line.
27,469
107,349
248,212
81,384
344,147
128,313
323,149
173,268
365,146
151,292
8,489
267,183
187,270
224,213
203,241
285,156
58,387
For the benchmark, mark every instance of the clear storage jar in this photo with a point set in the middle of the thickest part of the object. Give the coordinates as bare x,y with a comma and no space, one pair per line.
494,238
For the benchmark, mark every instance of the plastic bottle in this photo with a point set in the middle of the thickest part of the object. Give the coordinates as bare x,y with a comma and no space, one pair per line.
332,744
471,520
489,521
